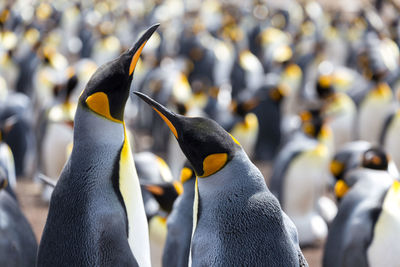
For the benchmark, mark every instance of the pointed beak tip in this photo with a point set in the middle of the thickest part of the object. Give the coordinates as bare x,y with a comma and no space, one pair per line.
149,32
145,98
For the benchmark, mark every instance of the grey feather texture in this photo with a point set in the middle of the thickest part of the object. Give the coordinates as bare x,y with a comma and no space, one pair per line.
240,223
179,224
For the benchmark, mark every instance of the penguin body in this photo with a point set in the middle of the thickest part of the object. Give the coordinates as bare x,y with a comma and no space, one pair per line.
56,127
390,136
269,115
373,111
179,223
96,215
16,110
107,225
151,169
353,229
383,249
18,245
298,180
229,220
342,113
348,157
233,207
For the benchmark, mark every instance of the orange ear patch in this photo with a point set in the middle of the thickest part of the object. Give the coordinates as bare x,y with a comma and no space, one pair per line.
155,190
98,102
213,163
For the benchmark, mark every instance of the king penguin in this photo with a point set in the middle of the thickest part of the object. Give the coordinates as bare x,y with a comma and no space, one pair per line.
96,215
233,208
18,245
179,222
366,228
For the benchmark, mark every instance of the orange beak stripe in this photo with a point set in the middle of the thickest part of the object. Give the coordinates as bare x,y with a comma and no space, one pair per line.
135,58
170,125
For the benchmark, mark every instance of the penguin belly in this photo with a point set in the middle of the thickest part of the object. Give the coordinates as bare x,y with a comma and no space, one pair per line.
58,137
371,117
342,128
392,141
303,186
158,235
384,249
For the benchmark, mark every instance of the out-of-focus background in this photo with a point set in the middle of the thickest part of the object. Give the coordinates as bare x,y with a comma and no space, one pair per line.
294,81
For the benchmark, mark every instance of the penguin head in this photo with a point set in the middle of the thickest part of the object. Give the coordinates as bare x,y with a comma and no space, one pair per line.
278,93
375,158
108,89
324,86
206,145
313,123
165,193
372,158
347,158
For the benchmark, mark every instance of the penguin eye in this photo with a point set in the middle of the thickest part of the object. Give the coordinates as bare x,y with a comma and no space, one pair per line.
213,163
98,103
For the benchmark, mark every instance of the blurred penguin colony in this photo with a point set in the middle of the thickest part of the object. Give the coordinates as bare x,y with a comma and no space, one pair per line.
309,91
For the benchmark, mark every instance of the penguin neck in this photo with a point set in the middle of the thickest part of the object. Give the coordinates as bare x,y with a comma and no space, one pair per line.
92,130
188,187
237,171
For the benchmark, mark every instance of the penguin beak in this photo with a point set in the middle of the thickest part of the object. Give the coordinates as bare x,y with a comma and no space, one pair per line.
136,50
169,117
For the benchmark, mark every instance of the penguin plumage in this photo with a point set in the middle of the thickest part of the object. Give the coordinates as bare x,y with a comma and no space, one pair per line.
389,139
179,222
300,176
360,164
18,245
354,229
20,136
165,193
233,207
96,214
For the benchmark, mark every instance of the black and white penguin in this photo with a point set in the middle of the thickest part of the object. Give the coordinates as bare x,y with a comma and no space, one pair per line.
96,214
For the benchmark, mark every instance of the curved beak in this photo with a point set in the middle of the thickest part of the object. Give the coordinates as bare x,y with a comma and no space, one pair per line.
168,116
136,50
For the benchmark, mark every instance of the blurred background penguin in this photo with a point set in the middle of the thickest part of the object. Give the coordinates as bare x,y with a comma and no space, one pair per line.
306,87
